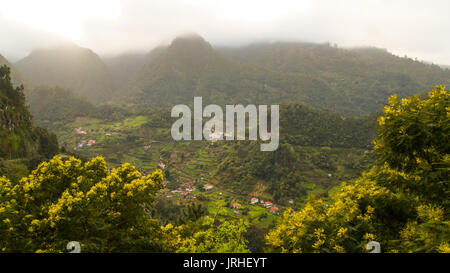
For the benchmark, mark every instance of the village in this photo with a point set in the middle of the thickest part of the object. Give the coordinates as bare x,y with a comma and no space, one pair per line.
189,184
83,141
188,191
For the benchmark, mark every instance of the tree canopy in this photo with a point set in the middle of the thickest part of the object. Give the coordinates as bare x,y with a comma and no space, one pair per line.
402,202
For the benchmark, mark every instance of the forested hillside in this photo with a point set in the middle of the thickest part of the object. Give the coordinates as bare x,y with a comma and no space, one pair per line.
123,69
313,145
306,126
357,80
349,81
19,138
53,107
16,78
189,66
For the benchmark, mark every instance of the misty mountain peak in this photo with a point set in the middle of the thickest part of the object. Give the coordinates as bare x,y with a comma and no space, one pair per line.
65,50
190,42
68,65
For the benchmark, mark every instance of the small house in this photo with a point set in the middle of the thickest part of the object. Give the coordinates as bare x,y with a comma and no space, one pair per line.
185,193
208,187
91,142
274,210
162,165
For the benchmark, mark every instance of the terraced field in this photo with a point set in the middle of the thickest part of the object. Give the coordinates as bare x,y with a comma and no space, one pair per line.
197,163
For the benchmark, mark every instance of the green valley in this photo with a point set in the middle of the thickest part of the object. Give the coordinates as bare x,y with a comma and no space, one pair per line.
358,127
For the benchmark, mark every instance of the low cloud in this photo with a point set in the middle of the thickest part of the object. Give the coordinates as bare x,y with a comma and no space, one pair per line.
415,28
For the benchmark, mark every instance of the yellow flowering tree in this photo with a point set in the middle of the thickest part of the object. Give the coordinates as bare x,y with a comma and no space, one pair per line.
357,216
207,235
62,201
413,138
403,203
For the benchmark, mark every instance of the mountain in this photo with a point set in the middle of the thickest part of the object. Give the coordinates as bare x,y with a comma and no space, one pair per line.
360,78
123,68
175,73
68,66
190,67
349,81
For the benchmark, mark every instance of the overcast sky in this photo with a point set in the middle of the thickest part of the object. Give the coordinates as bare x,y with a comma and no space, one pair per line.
416,28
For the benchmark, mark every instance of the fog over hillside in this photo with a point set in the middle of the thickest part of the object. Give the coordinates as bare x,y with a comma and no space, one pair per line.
350,81
405,27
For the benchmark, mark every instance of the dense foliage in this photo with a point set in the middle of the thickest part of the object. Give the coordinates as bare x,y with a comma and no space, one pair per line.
311,139
306,126
106,211
348,81
402,202
19,137
351,81
53,107
68,200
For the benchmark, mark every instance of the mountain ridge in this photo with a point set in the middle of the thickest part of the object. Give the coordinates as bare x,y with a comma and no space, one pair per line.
349,81
353,81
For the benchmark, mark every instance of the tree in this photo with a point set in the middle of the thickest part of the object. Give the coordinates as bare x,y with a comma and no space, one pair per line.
402,202
358,215
413,138
193,212
64,201
207,235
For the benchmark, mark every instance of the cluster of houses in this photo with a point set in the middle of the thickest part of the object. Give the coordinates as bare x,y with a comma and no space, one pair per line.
86,143
115,130
90,142
80,132
236,207
147,147
255,201
208,187
162,165
185,190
